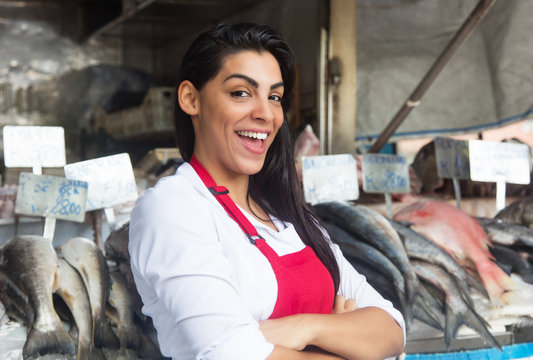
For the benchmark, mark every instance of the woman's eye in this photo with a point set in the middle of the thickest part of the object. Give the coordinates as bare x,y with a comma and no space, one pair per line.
239,93
275,97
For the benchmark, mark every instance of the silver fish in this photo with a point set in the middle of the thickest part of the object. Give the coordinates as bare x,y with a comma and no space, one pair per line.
31,262
72,290
506,233
85,256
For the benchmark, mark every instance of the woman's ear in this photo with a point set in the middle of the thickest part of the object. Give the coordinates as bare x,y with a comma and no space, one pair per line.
188,98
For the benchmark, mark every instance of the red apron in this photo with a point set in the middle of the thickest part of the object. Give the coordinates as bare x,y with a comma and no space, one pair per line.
304,283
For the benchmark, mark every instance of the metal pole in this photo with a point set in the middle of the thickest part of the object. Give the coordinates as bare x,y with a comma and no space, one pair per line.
414,99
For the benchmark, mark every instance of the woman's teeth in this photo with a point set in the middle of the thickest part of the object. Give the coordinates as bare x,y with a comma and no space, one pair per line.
255,135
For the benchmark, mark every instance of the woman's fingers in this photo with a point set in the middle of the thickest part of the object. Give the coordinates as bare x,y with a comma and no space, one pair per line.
343,305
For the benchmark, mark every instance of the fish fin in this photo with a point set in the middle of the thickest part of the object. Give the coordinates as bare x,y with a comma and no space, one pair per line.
129,337
55,341
104,336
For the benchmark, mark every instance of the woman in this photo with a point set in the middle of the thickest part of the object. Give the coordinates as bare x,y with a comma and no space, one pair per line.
229,262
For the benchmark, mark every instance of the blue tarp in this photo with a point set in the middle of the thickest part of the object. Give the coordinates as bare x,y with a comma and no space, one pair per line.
509,352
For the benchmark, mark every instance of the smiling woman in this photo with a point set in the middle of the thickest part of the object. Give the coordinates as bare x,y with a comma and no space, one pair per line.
229,261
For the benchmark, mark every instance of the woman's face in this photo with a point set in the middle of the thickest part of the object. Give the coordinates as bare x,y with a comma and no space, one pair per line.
239,114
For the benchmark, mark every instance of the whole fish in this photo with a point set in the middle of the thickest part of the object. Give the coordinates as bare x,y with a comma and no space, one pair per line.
374,228
85,256
519,212
457,311
70,287
506,233
31,262
121,300
460,235
420,247
361,252
514,261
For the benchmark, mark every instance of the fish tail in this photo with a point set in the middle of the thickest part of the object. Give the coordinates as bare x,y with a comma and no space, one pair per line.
55,341
473,320
453,321
496,281
104,336
129,337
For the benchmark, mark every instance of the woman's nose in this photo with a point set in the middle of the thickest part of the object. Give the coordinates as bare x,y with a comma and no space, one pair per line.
263,110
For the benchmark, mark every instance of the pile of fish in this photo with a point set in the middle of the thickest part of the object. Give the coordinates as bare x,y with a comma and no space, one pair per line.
45,288
428,261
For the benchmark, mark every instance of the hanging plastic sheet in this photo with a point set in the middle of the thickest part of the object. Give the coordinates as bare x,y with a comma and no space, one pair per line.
488,82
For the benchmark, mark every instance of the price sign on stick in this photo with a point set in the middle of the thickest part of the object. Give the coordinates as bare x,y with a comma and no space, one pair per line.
501,163
329,177
452,158
111,180
34,146
51,197
385,174
453,162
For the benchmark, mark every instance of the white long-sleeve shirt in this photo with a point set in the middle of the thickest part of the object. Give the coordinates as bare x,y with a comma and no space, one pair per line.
202,282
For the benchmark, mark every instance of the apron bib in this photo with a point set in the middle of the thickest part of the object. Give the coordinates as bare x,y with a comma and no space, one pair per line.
304,283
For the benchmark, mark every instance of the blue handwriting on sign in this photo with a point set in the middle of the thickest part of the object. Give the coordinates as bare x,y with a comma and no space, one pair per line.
64,205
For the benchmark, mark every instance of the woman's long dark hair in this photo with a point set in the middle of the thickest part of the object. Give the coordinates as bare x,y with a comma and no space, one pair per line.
275,188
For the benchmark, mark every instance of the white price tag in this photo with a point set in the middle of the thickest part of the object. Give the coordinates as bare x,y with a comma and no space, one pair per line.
452,158
329,178
385,174
499,162
34,146
51,197
111,180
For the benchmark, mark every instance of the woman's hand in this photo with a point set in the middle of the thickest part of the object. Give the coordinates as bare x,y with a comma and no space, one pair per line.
343,305
296,331
290,331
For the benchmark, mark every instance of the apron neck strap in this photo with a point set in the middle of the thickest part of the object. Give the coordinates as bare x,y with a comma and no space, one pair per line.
221,194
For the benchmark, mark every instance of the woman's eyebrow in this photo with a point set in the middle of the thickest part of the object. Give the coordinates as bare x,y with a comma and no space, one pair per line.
251,81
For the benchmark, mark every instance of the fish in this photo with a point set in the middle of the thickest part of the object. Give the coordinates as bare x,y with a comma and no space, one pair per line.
420,247
513,261
460,235
518,212
116,244
85,256
31,262
361,252
506,233
375,229
70,287
121,300
457,311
